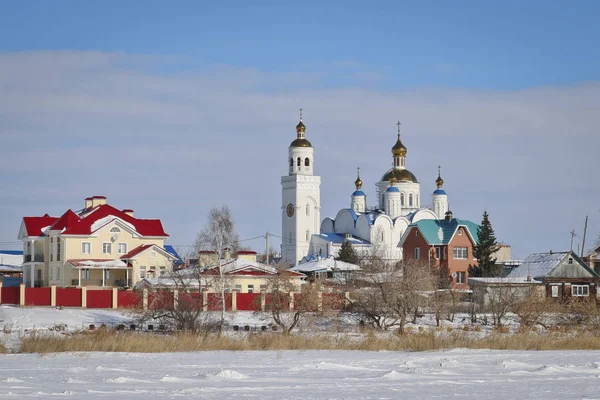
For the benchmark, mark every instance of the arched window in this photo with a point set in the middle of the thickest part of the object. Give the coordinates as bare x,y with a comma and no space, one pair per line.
417,201
291,162
382,236
307,235
114,229
306,162
308,209
402,199
410,200
299,161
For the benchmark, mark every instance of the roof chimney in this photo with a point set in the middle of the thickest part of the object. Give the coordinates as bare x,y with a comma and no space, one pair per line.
98,200
88,203
448,216
128,211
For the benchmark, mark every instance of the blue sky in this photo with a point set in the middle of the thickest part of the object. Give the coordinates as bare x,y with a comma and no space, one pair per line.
180,90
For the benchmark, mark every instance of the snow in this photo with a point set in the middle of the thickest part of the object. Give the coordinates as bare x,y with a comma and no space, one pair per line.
109,218
102,264
304,375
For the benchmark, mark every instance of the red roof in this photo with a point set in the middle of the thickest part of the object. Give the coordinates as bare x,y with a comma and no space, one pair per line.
67,219
246,252
34,225
137,251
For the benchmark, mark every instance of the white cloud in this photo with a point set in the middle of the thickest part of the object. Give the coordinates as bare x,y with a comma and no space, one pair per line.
154,134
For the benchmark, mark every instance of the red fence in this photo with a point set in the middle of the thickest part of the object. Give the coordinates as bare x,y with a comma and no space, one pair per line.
37,296
215,302
129,299
68,297
99,298
191,300
248,301
11,295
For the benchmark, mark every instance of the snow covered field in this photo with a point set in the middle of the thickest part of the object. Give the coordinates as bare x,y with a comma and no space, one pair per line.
304,375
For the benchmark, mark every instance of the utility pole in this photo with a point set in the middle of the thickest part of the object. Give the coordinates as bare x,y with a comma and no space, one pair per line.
267,248
572,236
584,232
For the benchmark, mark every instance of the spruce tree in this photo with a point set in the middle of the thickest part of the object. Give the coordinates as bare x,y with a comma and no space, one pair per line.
347,253
484,251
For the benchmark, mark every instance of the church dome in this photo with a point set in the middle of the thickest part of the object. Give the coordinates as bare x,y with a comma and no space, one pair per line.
401,175
300,127
300,143
393,189
399,150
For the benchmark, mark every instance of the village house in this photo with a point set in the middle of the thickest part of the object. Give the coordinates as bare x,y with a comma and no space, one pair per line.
97,246
558,275
445,243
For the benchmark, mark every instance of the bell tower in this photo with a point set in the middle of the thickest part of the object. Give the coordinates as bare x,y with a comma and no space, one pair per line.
300,199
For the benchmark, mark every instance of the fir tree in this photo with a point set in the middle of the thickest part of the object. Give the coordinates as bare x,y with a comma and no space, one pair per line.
347,253
484,251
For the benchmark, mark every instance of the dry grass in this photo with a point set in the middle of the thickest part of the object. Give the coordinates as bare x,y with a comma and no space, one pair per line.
112,341
3,349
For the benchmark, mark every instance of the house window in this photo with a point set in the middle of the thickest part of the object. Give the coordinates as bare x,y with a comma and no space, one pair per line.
580,290
122,248
460,253
461,277
86,247
437,253
417,253
106,248
115,229
460,232
554,291
416,233
152,254
85,273
445,253
250,288
57,249
162,271
106,274
142,272
238,288
570,260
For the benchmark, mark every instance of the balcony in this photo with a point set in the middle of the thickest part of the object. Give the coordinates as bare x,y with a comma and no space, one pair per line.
98,282
34,258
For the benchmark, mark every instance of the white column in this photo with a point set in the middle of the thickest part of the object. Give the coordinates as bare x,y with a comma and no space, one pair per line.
79,276
127,277
32,273
103,275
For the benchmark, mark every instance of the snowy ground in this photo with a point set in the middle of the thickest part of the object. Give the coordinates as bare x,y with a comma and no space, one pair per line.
304,375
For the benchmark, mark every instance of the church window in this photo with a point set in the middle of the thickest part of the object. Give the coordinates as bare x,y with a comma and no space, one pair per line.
410,200
402,199
307,235
417,201
291,162
306,162
299,161
382,236
308,209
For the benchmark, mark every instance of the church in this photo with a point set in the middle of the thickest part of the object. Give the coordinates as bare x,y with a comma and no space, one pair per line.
376,227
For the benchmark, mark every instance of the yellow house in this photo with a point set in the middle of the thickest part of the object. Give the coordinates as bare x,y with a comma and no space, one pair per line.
97,246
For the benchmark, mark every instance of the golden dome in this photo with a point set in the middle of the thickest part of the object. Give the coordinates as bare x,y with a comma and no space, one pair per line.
358,182
300,127
401,175
439,181
300,143
399,150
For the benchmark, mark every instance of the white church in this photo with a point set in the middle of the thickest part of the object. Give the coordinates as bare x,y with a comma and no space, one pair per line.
306,237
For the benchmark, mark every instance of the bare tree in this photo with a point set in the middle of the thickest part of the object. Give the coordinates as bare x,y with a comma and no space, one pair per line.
217,235
501,300
176,301
391,297
532,309
285,309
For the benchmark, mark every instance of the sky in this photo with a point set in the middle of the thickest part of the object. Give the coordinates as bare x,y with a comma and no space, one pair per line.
171,108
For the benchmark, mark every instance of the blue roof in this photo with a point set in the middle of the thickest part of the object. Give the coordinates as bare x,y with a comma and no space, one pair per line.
171,250
439,191
12,252
392,189
440,231
358,193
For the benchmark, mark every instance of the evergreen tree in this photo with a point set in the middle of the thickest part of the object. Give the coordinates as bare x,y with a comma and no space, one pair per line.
347,253
484,251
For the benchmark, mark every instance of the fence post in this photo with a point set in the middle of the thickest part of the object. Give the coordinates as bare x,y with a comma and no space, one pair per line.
320,301
145,299
175,299
291,301
204,300
233,301
53,296
115,297
22,294
0,292
263,301
346,299
84,297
